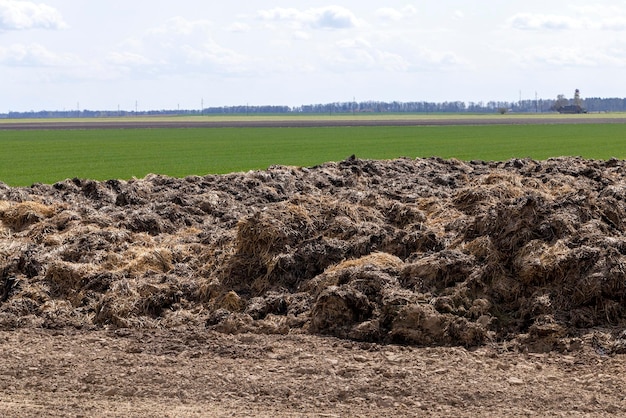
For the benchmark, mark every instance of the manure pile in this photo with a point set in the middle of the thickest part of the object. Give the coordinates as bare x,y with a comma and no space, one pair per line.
425,251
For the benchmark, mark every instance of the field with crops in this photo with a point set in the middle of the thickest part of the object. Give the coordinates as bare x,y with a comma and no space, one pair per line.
48,156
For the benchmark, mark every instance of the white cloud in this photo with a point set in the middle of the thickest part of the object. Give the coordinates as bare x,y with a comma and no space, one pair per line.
348,55
389,13
354,43
128,58
614,23
301,35
527,21
330,17
34,55
359,55
598,12
180,46
212,55
239,27
179,26
425,59
409,10
19,15
280,13
335,17
34,63
566,57
587,18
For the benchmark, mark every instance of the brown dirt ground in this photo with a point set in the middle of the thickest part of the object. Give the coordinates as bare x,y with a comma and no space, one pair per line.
423,287
103,123
169,373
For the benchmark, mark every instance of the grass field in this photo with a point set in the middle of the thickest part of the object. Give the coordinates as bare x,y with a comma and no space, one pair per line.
47,156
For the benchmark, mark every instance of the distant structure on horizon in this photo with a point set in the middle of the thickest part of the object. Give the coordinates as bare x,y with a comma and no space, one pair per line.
561,105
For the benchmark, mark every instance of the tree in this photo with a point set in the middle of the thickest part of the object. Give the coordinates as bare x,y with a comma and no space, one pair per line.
560,102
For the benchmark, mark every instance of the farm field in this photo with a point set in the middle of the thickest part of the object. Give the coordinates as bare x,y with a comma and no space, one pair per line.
51,155
486,284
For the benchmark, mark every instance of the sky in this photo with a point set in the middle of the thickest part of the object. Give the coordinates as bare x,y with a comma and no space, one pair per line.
163,54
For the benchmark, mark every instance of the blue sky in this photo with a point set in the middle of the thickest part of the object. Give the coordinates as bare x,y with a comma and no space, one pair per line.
105,54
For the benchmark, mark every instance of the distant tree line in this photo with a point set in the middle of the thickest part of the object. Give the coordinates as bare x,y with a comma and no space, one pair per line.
592,104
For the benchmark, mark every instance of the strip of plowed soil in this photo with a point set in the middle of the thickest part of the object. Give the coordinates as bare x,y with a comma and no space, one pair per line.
300,123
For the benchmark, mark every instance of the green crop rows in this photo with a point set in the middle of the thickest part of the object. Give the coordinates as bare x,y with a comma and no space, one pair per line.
47,156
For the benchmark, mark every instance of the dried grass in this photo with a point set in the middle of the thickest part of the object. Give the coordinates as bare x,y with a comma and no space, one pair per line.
19,216
383,261
67,279
230,301
349,270
142,260
538,262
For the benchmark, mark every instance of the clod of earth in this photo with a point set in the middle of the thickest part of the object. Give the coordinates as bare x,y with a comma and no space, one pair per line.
424,251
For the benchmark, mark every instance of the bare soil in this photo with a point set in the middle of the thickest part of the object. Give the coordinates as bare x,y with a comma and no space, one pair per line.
166,373
422,287
287,122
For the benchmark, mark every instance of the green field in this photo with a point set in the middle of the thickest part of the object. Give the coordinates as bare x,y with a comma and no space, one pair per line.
47,156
